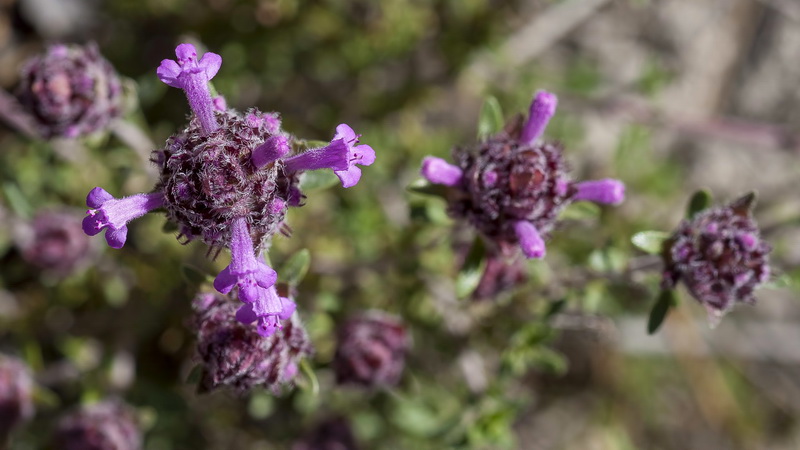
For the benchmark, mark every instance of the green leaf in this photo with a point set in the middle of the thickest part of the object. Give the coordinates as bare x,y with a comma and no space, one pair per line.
422,187
490,120
16,199
317,180
666,300
650,241
555,307
193,275
580,211
700,201
195,375
470,274
296,268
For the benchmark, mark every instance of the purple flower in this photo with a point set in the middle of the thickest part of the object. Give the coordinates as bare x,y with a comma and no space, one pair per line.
192,76
255,281
512,187
341,155
371,350
232,355
100,426
54,242
16,394
70,91
228,179
114,214
719,256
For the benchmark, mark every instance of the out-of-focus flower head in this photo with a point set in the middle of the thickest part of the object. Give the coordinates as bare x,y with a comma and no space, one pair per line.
720,257
70,91
332,434
512,186
106,425
371,350
232,355
227,179
16,394
54,242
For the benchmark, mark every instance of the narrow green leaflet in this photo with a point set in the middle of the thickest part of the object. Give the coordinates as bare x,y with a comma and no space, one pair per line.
666,300
422,187
650,241
580,211
193,275
700,200
490,120
296,268
470,274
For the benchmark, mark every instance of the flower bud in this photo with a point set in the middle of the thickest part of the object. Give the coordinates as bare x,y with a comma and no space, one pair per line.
720,257
371,350
16,394
54,242
109,425
233,354
71,91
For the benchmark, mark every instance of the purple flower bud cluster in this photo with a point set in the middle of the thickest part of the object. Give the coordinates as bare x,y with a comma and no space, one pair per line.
100,426
511,186
54,242
16,394
332,434
70,91
232,355
227,179
371,350
720,257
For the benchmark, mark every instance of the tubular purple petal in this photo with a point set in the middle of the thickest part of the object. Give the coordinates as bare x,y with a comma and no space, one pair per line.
274,148
530,241
542,109
438,171
114,214
335,156
193,76
607,191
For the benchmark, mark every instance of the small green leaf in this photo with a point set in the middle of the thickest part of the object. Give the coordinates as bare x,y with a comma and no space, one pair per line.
195,375
700,201
470,274
317,180
45,397
422,187
169,227
490,120
308,372
580,211
650,241
16,199
555,307
666,300
193,275
296,268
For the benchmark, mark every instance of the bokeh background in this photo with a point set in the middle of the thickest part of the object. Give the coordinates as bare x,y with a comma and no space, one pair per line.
669,96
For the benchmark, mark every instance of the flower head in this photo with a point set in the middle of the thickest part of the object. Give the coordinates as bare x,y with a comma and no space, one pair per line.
228,179
371,350
70,91
720,257
16,394
100,426
511,186
54,242
232,355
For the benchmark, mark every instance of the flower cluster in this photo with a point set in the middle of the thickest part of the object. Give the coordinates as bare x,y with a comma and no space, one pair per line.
100,426
512,186
16,394
227,179
720,257
54,242
371,350
70,91
232,355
